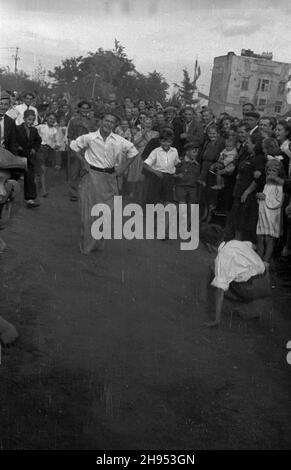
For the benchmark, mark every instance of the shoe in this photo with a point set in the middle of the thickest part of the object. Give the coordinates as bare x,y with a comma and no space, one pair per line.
73,198
45,194
30,204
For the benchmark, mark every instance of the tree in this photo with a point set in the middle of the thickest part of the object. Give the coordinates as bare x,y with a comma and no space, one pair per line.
187,88
105,71
19,81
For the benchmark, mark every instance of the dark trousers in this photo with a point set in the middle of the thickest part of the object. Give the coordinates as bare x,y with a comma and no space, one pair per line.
74,170
29,182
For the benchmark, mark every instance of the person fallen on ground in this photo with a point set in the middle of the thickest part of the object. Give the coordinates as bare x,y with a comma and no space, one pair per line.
236,262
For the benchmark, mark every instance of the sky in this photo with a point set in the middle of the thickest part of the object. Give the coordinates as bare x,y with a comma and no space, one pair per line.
162,35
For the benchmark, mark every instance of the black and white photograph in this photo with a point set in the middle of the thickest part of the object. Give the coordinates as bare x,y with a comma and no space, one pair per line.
145,228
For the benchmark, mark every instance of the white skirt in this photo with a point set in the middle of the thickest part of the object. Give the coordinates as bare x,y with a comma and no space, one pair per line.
269,220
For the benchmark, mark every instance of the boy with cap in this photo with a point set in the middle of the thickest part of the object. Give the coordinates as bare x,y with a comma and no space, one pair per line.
187,174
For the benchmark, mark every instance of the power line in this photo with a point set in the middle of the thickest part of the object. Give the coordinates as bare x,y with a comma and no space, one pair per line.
16,59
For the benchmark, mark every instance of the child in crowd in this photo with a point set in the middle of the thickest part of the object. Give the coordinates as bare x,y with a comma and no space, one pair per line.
29,141
161,165
225,164
62,142
123,130
270,205
46,156
187,174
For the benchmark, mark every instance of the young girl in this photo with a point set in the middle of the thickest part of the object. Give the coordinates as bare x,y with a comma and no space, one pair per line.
270,204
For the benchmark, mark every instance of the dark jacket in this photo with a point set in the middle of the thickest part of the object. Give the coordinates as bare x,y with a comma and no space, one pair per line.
10,141
189,173
25,143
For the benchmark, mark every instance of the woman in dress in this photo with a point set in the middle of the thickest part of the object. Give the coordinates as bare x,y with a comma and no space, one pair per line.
135,177
243,217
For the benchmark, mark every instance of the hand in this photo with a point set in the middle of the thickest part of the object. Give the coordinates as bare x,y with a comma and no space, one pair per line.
244,197
159,174
32,152
257,174
183,135
261,196
220,172
202,183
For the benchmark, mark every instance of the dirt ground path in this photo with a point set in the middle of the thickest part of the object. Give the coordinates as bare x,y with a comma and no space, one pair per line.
113,353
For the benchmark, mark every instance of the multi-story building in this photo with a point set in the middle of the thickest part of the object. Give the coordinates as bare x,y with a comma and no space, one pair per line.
250,77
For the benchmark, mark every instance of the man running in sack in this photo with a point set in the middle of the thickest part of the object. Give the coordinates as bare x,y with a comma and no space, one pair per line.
100,152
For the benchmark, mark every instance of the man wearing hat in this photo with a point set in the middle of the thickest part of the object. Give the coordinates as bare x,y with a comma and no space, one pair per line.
251,119
102,152
7,125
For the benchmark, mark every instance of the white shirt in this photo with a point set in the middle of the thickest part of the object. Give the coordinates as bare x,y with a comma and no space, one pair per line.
104,153
236,261
20,109
12,112
163,161
49,135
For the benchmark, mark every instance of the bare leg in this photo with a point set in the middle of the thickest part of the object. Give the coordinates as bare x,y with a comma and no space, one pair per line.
43,182
269,248
260,245
238,235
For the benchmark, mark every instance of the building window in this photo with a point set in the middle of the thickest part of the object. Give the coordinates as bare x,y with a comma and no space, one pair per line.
265,85
245,83
261,104
278,107
281,88
243,100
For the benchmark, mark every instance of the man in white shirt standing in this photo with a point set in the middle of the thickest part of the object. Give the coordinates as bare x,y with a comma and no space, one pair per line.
238,268
100,153
21,108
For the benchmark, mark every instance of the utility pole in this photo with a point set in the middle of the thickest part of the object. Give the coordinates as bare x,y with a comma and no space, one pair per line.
16,59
